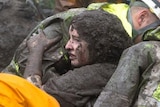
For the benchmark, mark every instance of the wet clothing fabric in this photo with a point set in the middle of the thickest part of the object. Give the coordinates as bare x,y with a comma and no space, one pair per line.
17,92
135,82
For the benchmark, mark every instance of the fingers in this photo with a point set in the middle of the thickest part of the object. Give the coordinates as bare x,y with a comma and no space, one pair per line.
41,39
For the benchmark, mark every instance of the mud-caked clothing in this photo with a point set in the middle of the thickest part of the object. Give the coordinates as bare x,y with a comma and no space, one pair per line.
136,81
81,86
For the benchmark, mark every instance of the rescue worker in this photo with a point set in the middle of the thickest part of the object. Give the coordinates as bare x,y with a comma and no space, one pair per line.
135,82
92,52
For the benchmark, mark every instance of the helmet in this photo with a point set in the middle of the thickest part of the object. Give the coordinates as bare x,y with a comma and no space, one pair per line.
154,6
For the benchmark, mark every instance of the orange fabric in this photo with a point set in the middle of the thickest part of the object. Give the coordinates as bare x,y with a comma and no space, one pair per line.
17,92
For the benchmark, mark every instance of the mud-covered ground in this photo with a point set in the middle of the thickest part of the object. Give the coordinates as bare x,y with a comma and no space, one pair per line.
16,21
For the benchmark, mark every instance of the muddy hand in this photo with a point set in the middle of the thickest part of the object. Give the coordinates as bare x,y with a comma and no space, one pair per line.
40,41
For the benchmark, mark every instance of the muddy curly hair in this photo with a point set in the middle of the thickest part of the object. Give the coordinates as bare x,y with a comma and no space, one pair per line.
104,33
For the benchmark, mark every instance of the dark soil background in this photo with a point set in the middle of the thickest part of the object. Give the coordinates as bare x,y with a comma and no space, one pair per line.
17,19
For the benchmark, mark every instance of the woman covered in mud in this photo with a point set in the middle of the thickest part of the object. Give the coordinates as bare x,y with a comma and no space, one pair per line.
97,39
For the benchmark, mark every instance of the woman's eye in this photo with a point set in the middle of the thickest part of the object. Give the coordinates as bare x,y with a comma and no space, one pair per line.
78,40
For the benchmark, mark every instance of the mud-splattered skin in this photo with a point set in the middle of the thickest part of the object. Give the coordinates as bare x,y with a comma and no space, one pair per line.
77,48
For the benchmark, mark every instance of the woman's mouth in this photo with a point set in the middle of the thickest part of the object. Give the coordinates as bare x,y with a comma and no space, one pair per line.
71,56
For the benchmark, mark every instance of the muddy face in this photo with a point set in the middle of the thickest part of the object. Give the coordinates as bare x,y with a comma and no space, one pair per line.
78,49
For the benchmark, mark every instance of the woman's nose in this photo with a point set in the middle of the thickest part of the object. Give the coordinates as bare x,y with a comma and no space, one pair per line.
68,45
